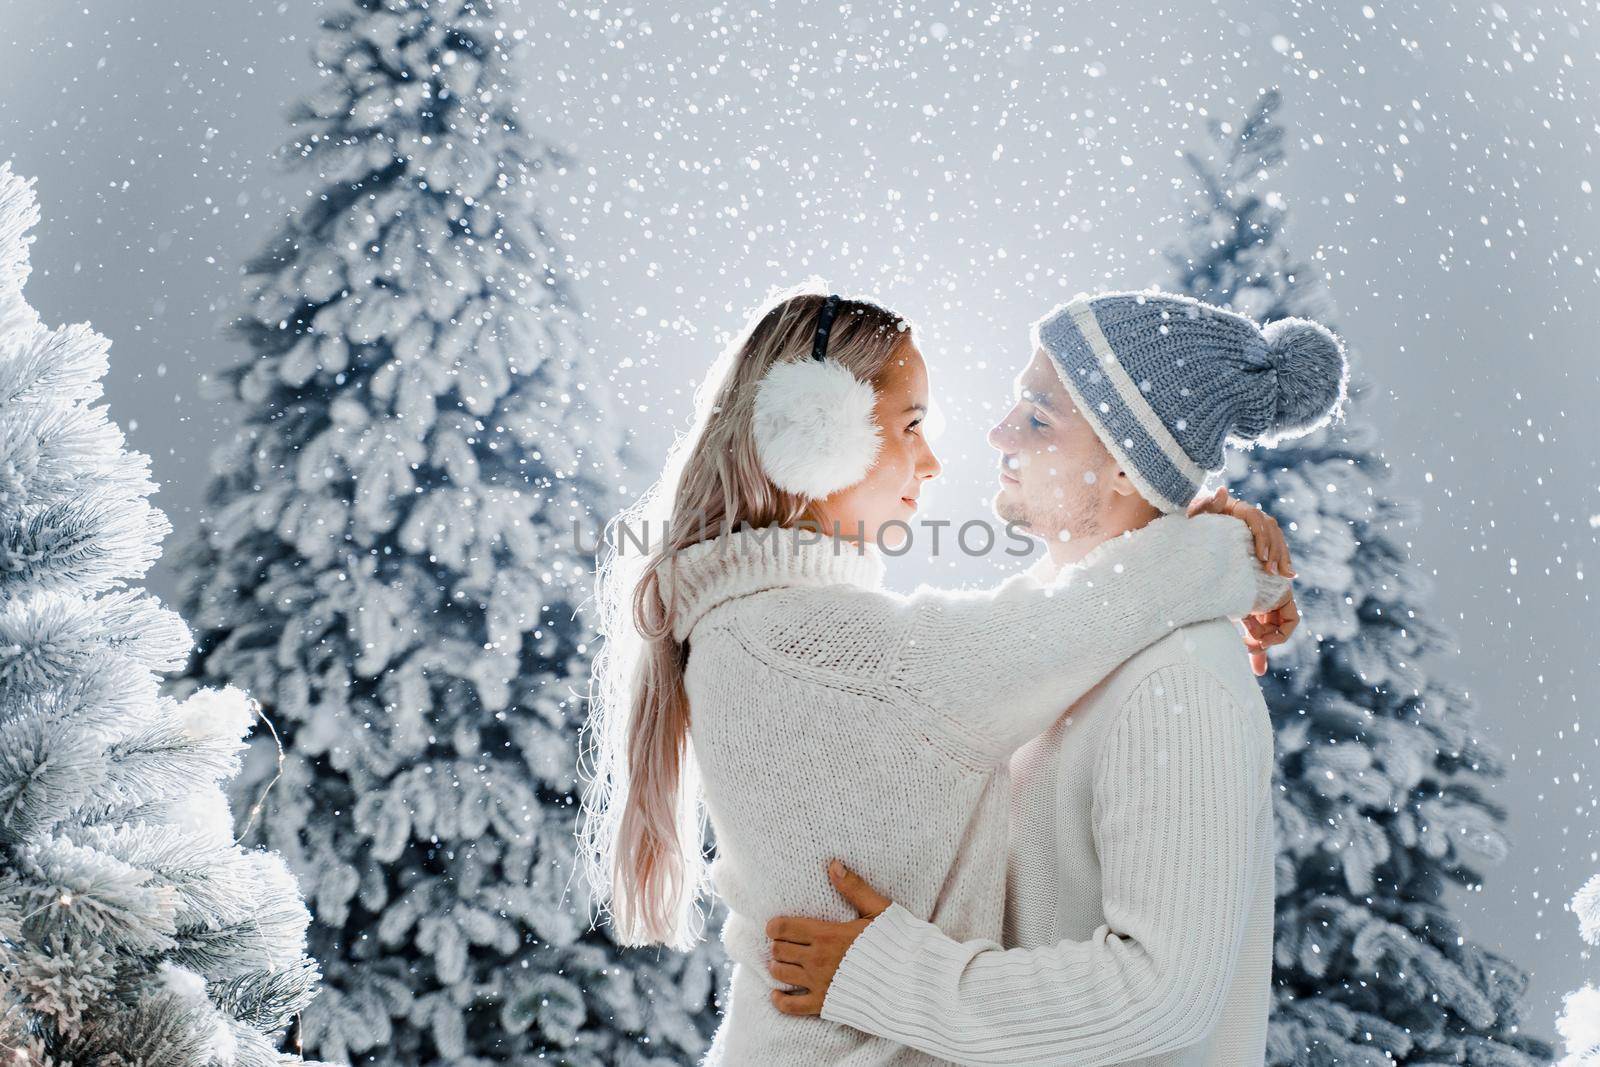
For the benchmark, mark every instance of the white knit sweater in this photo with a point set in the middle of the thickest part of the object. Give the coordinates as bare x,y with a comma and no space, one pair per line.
830,718
1140,887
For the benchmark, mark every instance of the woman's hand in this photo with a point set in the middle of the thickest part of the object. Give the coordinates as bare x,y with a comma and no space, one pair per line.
1267,628
1271,547
806,953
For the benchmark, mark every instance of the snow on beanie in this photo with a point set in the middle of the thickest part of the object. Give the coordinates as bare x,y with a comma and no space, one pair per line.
1166,381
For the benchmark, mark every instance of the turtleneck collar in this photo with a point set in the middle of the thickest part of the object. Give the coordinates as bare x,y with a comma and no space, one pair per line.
749,561
1047,571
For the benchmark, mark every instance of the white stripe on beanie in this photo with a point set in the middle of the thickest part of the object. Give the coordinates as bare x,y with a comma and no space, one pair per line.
1082,310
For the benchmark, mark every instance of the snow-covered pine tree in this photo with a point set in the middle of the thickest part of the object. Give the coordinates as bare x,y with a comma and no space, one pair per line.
390,567
133,930
1579,1022
1382,800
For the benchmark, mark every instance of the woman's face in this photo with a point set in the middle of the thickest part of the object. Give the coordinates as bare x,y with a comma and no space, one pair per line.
890,490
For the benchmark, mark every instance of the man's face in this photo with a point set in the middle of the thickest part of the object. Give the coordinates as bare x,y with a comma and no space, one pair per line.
1056,477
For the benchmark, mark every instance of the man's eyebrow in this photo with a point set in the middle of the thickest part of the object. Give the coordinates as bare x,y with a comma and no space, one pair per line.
1036,397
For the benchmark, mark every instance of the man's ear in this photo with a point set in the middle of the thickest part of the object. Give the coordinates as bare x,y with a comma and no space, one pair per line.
1122,485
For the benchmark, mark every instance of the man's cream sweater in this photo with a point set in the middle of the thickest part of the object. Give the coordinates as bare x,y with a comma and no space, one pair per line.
832,718
1140,887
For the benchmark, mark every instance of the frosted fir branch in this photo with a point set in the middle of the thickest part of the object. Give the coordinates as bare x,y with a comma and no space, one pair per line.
157,1027
272,933
62,366
48,638
1586,906
1579,1027
49,454
94,542
76,892
19,213
267,1000
207,882
46,774
65,983
1350,1036
163,761
116,699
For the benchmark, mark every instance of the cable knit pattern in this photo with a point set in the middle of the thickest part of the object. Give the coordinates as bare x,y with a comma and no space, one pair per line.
832,718
1140,893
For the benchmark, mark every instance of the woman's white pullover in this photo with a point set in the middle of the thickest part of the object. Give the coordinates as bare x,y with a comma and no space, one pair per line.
831,718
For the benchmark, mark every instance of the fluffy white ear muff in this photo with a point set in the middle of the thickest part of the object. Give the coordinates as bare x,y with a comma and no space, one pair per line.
814,429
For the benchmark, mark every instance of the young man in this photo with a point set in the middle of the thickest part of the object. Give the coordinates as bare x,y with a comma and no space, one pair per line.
1140,883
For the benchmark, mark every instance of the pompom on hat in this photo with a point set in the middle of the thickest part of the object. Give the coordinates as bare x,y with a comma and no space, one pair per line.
1166,381
813,424
1312,377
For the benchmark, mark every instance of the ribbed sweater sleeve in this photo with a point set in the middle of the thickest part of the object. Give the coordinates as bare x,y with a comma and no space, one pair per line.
1177,789
999,666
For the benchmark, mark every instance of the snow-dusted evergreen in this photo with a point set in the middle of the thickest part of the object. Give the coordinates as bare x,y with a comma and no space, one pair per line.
390,568
1579,1022
133,930
1382,800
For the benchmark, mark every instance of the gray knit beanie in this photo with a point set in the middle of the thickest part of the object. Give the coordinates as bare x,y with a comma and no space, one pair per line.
1166,380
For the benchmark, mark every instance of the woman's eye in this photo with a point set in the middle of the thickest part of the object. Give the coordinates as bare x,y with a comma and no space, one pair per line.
914,424
1033,420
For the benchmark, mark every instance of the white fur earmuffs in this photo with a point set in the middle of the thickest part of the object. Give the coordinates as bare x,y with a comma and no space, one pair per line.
813,424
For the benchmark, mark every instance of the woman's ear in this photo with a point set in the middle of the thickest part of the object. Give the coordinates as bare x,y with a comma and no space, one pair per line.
814,427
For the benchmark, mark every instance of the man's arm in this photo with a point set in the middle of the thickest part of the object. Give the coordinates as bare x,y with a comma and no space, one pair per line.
1177,793
998,667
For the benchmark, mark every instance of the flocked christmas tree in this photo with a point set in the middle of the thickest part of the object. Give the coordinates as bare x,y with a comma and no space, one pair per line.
133,930
1579,1022
390,568
1382,801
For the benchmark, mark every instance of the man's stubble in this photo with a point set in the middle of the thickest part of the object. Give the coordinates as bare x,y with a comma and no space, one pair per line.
1076,513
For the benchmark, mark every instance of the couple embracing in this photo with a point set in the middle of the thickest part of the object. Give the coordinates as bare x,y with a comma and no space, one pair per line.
1027,824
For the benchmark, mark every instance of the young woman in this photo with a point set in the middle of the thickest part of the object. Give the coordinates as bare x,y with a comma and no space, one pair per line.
747,659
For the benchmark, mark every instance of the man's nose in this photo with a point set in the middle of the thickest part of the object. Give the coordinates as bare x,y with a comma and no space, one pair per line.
1003,433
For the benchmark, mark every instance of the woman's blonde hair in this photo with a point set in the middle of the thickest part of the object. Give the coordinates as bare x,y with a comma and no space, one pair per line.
642,825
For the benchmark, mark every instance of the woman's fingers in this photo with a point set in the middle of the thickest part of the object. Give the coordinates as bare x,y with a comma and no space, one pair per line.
1272,547
1280,548
1260,531
1216,503
1285,562
1280,561
1277,547
1266,630
1253,645
1288,616
1266,547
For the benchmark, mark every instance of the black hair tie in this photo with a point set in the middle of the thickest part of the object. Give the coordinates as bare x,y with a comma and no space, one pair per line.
819,347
